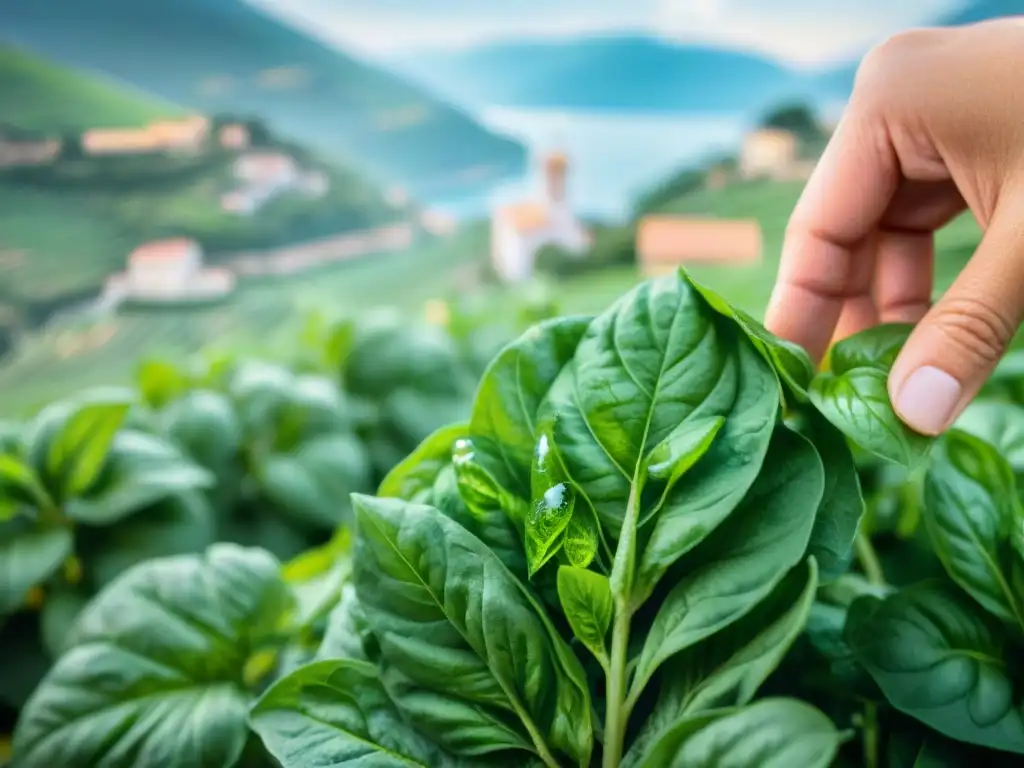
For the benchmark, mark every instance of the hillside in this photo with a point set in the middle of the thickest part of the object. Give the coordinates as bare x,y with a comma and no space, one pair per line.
39,96
226,56
605,73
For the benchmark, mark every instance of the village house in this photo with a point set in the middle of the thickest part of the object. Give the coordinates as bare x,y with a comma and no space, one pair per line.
665,242
520,230
266,169
767,153
186,135
23,152
265,175
234,136
169,270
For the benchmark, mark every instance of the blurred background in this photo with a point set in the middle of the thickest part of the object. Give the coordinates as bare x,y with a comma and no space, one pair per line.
178,175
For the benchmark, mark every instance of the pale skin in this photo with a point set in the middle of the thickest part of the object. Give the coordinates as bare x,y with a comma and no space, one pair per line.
934,127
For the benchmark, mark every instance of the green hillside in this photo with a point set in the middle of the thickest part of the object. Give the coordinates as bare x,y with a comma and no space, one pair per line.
39,96
230,56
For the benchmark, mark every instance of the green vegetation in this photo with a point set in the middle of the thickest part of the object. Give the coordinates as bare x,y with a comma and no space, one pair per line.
225,448
652,537
49,99
262,318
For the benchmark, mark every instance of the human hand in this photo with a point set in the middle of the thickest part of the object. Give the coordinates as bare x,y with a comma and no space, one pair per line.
935,126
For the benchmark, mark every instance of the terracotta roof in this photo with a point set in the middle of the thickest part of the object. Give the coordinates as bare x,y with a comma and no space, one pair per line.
668,239
525,217
556,160
171,249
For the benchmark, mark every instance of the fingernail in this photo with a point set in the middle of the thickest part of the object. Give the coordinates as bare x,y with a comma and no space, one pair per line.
927,399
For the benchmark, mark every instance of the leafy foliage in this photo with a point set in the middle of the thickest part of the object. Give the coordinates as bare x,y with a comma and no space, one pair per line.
601,566
654,537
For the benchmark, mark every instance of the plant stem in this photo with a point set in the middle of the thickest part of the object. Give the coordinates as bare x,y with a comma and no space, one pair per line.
615,711
869,562
870,735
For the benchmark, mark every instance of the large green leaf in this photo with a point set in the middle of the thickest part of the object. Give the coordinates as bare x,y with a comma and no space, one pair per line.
504,416
29,554
773,733
468,655
417,472
726,669
853,394
141,470
939,658
204,424
20,486
1001,424
317,576
337,713
659,358
842,505
740,563
790,361
68,442
971,507
160,382
153,670
586,600
311,485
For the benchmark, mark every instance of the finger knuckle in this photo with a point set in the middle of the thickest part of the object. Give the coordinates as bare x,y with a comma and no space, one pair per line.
892,57
976,328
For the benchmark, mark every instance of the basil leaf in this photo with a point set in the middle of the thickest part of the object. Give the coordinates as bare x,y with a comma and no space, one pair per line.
157,655
773,733
337,713
28,556
69,440
1001,424
468,656
970,509
658,358
417,472
141,470
726,669
311,484
854,395
939,658
790,361
204,424
586,599
504,420
729,574
842,504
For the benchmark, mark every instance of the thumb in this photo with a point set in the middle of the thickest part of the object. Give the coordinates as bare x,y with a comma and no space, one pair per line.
954,349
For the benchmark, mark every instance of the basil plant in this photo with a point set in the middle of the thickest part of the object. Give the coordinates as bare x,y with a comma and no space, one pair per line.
600,567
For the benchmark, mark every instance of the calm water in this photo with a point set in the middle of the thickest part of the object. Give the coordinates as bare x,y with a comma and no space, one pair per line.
613,156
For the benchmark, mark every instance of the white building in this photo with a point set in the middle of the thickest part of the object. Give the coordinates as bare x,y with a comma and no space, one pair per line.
768,153
168,271
520,230
266,169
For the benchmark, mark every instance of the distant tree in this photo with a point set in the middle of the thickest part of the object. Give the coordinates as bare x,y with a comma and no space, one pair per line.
795,117
259,134
71,147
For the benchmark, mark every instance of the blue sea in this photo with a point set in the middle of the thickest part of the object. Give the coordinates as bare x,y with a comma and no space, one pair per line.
614,157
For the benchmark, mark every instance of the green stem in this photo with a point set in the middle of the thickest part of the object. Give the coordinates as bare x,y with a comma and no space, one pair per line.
870,735
869,562
616,715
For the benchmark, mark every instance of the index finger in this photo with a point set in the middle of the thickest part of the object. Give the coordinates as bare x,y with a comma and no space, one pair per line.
838,211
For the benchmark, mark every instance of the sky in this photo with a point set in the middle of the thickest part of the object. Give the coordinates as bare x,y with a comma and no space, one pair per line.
801,33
